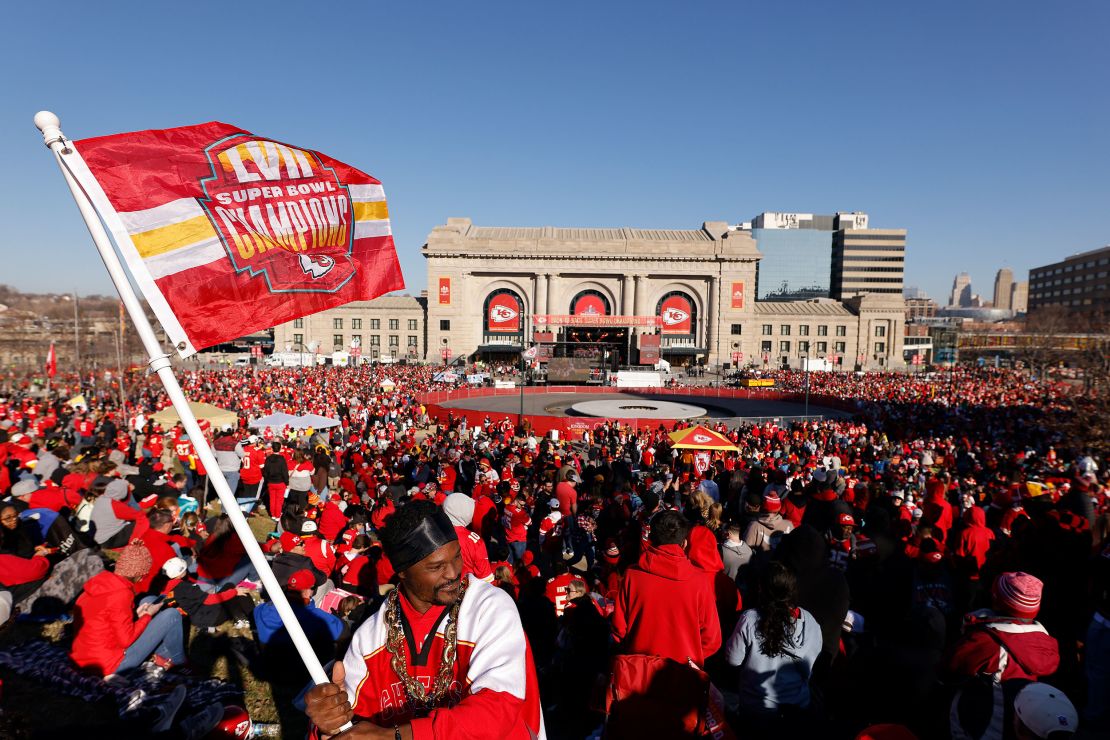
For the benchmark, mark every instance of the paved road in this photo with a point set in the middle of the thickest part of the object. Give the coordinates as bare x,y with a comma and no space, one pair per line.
556,404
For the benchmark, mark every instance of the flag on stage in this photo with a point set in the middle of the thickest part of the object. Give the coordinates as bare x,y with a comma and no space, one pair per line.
51,362
226,232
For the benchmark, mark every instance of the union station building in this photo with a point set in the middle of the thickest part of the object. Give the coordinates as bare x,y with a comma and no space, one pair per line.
620,297
631,296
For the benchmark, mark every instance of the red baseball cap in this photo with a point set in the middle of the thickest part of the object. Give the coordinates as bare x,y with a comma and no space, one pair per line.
301,580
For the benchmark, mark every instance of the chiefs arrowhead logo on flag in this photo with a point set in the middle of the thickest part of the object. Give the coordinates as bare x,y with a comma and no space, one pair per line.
502,313
226,232
701,438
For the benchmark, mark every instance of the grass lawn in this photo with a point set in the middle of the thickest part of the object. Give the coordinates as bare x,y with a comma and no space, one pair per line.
29,711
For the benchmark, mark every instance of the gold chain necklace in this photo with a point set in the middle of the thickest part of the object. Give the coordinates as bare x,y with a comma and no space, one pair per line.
422,700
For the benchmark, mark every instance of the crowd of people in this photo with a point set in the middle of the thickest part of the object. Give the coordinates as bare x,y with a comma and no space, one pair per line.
934,565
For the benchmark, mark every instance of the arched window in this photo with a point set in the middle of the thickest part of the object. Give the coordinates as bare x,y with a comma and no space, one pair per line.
503,312
678,312
590,302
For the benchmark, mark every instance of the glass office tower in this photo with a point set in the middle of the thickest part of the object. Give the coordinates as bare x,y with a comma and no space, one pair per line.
796,264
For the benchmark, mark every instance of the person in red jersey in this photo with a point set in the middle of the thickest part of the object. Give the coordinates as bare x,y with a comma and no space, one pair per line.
251,472
460,510
444,657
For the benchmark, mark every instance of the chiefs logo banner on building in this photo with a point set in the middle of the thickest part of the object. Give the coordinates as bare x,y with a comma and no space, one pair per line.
677,315
445,291
226,232
738,294
504,314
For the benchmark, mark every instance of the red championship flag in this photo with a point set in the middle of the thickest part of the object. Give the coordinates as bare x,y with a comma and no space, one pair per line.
51,362
226,232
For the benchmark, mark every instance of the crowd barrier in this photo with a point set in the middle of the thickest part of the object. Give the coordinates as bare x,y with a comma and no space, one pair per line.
572,427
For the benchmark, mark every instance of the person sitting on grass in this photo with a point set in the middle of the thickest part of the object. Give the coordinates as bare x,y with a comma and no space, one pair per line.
111,635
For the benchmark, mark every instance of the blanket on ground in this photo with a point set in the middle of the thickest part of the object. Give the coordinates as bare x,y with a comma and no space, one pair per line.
49,665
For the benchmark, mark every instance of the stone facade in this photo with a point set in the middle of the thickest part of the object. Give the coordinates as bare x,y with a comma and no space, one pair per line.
389,326
633,271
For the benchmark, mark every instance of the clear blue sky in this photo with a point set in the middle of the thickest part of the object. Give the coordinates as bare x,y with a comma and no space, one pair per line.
979,126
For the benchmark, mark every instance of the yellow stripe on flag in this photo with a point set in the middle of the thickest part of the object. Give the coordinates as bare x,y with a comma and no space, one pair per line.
371,211
174,236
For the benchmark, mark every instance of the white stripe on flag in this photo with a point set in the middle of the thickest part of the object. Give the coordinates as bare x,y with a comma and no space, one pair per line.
365,193
139,273
173,212
365,229
195,255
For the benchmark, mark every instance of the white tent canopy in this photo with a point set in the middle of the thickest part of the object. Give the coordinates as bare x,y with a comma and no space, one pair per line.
275,421
214,415
316,422
281,420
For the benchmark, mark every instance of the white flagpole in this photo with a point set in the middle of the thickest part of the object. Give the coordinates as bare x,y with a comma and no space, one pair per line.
49,125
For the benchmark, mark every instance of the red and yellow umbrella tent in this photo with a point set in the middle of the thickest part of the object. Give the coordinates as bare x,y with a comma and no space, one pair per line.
700,438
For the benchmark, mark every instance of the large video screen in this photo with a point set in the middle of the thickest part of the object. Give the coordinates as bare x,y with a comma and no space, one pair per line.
569,369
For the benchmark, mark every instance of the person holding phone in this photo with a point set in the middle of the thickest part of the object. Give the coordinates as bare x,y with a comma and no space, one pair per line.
112,635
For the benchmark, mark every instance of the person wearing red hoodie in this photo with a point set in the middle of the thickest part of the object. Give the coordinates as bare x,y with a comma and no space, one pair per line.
937,510
1007,643
703,552
664,607
332,519
974,542
53,497
108,637
664,620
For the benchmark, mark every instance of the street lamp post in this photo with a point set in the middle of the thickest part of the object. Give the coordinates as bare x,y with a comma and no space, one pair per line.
520,416
806,361
523,348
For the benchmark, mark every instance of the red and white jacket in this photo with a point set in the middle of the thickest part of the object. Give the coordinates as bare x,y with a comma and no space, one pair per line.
495,692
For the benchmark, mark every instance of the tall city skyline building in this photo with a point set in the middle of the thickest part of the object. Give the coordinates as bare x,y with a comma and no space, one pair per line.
961,291
1003,287
1019,297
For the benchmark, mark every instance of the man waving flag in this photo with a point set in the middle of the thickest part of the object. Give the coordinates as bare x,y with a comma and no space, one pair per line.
226,232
